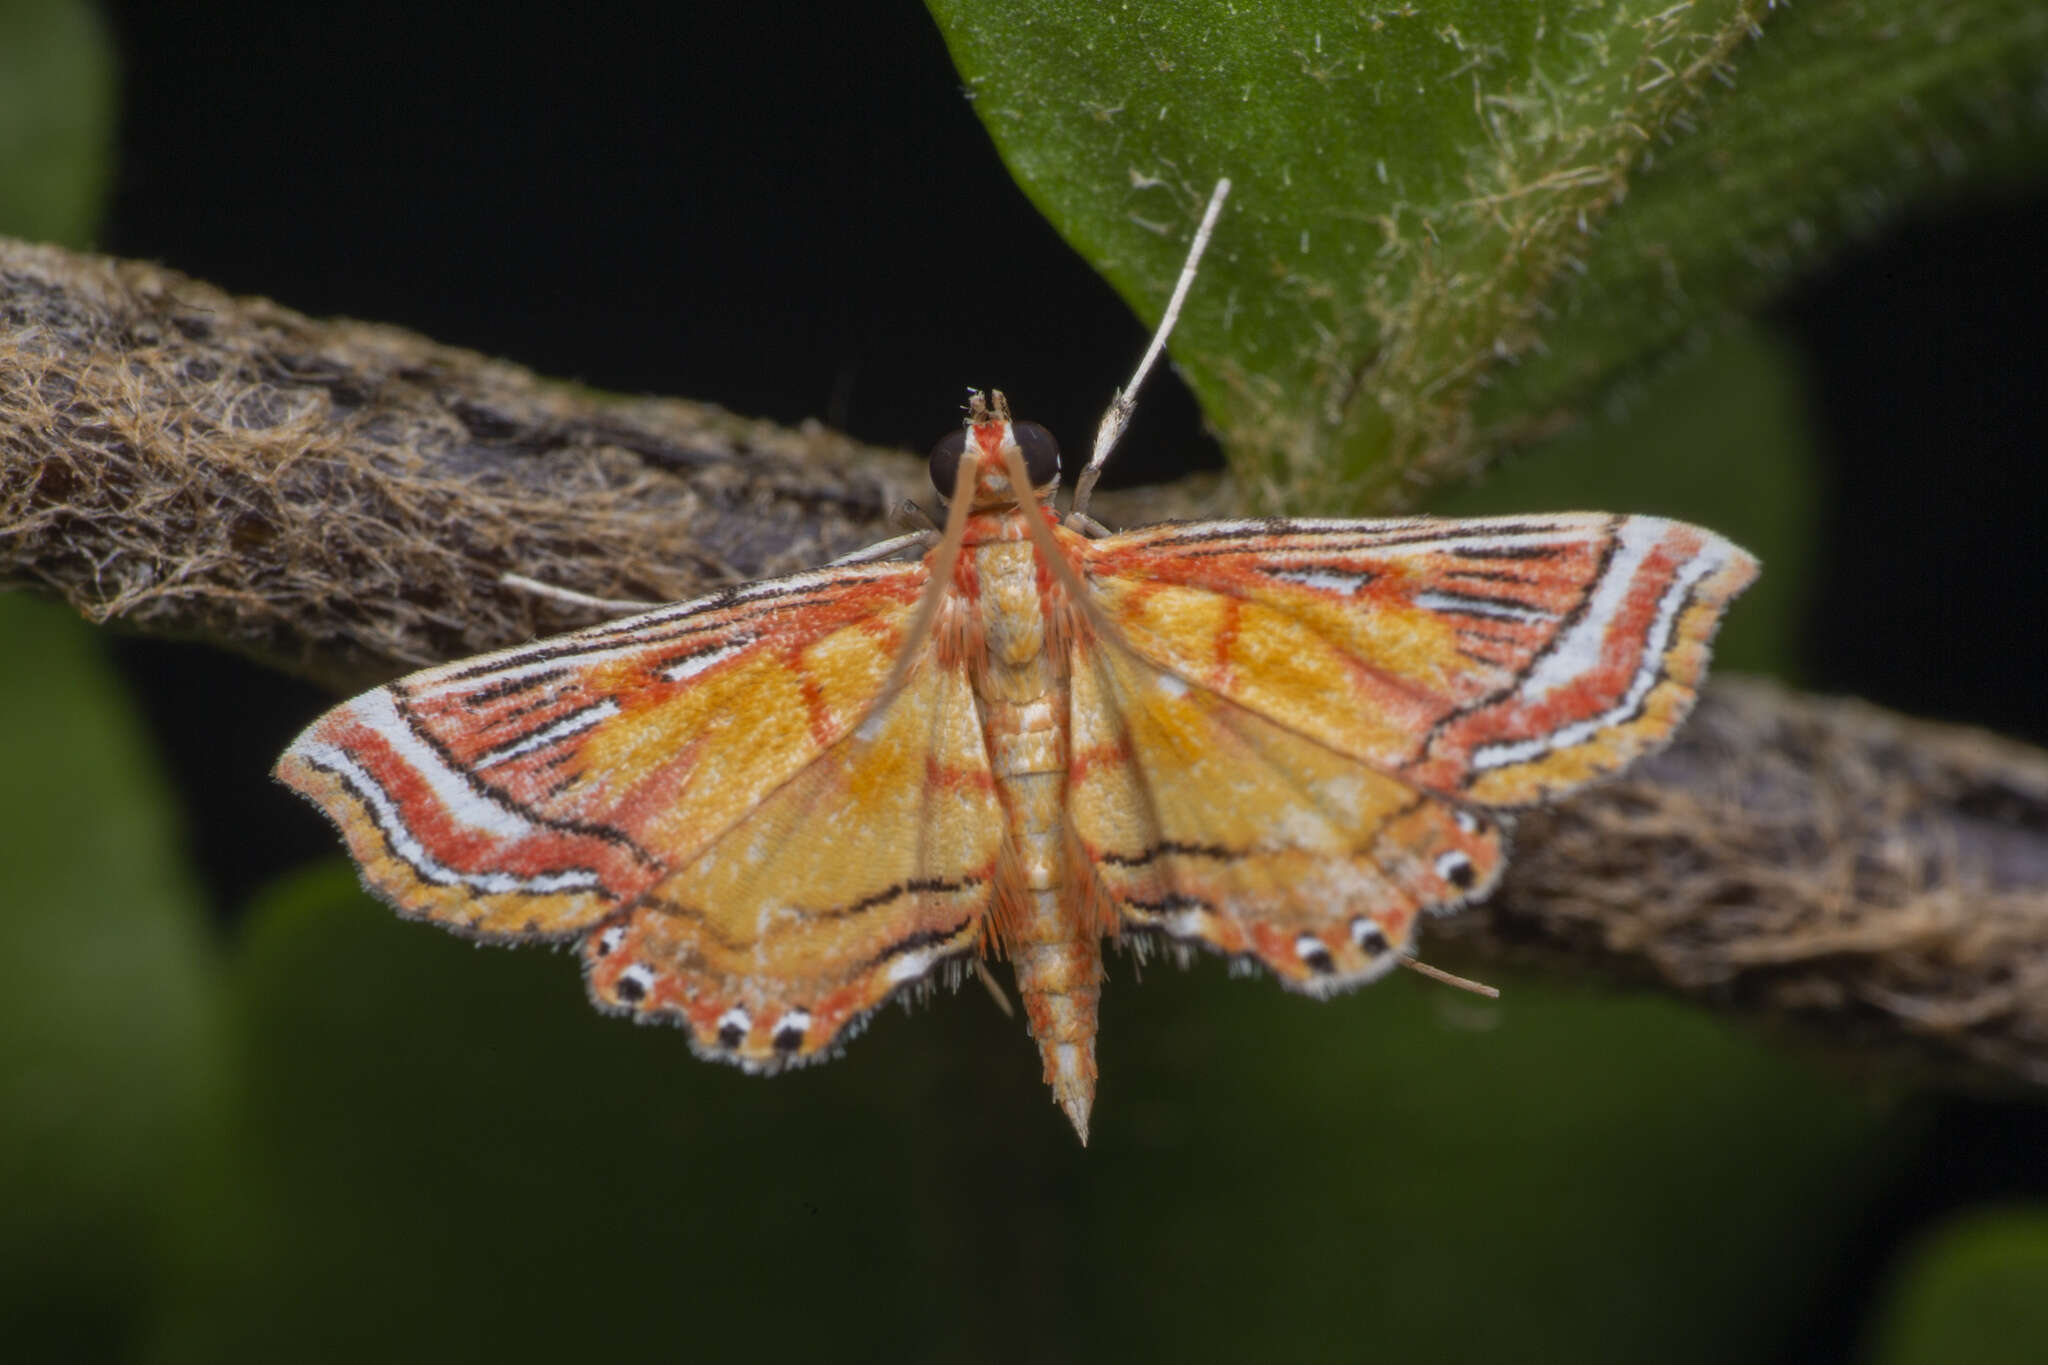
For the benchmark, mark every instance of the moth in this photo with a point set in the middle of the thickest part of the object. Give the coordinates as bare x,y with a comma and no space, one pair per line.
763,814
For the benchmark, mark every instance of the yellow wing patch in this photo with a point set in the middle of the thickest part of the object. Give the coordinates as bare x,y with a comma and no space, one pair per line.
856,878
535,792
1210,824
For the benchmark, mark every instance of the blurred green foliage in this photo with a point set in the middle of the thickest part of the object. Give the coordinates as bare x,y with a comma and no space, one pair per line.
342,1136
108,1049
1973,1295
56,119
455,1137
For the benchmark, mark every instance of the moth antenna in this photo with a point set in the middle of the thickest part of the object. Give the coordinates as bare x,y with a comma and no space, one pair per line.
1126,399
615,605
1439,974
927,614
1049,551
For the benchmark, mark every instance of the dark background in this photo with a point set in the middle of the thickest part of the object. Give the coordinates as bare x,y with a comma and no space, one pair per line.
794,213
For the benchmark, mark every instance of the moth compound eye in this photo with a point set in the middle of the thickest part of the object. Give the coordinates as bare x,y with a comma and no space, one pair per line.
1041,452
945,464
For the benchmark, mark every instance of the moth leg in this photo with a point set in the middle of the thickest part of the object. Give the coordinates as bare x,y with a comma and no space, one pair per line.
616,606
907,515
1083,524
916,542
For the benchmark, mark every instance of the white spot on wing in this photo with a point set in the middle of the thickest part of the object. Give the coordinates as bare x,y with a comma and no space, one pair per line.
1169,684
1347,582
698,663
911,966
574,723
1492,608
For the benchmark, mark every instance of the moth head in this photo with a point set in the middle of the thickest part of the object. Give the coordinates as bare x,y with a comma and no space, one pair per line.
986,431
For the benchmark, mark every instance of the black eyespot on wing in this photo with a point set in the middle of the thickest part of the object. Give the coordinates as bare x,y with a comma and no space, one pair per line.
1041,452
945,465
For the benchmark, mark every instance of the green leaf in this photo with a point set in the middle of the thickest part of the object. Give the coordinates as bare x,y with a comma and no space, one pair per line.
1425,194
56,120
107,1036
1841,118
1978,1295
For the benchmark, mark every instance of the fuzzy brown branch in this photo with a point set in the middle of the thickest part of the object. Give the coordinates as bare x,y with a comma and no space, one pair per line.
1879,882
341,499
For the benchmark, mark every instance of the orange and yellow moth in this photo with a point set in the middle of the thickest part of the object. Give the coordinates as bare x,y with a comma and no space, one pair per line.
765,813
